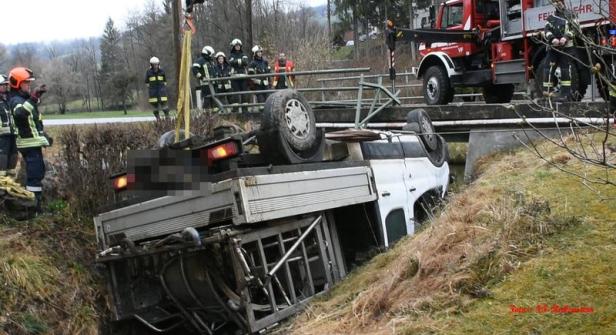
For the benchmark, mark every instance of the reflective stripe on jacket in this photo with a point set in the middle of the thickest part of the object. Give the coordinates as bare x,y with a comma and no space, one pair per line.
6,118
157,85
28,121
260,66
558,27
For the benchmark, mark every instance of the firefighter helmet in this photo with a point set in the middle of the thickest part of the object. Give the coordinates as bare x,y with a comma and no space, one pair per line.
256,49
18,75
236,42
220,53
154,60
207,50
4,79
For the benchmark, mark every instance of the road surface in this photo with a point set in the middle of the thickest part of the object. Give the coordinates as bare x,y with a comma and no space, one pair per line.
63,122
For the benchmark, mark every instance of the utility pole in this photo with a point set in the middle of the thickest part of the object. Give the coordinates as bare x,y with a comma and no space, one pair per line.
412,26
249,22
176,6
329,21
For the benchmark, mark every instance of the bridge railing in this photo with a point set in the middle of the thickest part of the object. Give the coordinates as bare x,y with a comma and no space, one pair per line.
334,91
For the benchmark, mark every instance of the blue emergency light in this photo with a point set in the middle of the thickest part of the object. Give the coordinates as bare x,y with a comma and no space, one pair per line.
612,32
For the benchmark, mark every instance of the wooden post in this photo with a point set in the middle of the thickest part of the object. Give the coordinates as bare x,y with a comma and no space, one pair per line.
176,6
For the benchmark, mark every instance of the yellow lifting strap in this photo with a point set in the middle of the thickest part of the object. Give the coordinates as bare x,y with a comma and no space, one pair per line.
184,88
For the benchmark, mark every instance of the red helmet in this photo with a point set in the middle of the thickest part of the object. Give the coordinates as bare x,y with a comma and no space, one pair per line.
18,75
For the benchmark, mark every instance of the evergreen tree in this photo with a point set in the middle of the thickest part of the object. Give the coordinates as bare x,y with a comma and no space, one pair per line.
112,68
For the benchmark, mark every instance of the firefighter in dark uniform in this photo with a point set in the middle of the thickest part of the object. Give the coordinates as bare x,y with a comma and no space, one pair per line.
203,69
31,137
259,65
222,69
156,80
239,63
8,149
559,36
191,3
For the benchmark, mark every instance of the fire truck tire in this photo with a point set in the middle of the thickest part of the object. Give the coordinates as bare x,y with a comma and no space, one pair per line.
498,94
437,87
603,91
288,132
576,93
419,121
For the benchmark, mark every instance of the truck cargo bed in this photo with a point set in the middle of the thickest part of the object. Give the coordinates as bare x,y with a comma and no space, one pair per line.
248,196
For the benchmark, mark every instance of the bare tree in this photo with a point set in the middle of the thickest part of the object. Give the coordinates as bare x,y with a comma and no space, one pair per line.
593,145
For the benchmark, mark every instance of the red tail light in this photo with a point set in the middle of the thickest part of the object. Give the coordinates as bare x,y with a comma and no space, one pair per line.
121,182
222,151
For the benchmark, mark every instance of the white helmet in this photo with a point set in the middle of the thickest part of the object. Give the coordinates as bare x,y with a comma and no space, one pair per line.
236,42
220,53
207,50
4,79
154,60
256,49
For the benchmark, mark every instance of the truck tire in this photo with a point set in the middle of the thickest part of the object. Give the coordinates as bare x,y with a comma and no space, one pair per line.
168,138
288,132
418,121
498,94
576,93
441,154
603,90
437,87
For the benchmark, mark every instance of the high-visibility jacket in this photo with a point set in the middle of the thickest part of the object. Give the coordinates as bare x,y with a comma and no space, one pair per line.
284,81
6,118
557,26
203,69
157,84
222,71
238,62
28,123
260,66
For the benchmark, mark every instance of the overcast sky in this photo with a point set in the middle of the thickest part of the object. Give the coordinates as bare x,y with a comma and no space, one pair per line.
49,20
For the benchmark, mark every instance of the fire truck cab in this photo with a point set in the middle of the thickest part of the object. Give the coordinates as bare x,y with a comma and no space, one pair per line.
496,44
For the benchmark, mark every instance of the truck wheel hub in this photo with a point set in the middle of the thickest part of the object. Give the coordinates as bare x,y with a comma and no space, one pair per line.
426,129
432,88
297,118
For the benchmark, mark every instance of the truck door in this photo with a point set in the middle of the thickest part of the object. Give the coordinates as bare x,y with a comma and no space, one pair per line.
387,162
454,15
421,176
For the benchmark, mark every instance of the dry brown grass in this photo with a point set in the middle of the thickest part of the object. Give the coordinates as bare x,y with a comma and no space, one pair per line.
48,282
484,234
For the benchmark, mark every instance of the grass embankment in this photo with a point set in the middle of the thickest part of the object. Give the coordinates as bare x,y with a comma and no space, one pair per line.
524,234
47,276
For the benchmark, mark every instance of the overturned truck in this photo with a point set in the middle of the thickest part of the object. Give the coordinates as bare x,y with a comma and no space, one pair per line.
257,235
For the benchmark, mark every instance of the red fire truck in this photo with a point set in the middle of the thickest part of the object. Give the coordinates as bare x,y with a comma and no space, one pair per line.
496,44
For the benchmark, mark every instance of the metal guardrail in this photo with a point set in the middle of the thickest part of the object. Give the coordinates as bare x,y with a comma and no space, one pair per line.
375,85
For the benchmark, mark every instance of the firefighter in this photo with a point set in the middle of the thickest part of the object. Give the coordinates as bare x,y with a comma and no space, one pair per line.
222,69
203,69
239,63
559,37
156,80
259,65
283,66
31,137
190,4
8,149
